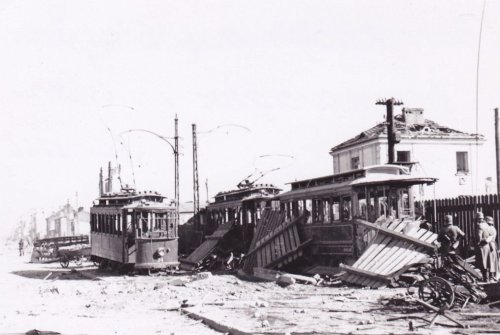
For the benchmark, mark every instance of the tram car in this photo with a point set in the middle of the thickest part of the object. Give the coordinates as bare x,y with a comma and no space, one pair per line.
133,230
242,207
331,204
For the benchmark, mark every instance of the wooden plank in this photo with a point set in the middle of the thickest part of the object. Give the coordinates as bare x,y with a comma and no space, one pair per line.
401,250
296,235
293,242
364,273
286,237
284,250
269,237
376,247
404,257
396,235
292,252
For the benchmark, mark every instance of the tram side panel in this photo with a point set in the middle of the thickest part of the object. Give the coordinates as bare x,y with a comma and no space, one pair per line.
107,246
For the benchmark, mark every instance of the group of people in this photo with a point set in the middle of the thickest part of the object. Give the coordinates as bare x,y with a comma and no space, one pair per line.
485,244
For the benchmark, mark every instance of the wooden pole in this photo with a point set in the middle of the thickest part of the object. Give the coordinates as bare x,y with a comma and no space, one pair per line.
391,133
497,147
176,154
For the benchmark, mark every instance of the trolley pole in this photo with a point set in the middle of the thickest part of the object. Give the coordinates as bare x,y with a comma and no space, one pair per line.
176,154
391,134
196,186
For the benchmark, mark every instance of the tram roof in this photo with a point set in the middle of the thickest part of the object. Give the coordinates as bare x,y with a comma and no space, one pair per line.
251,188
389,175
130,195
149,205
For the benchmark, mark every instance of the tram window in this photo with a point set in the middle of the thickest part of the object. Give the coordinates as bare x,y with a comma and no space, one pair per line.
346,209
326,211
308,211
316,210
405,203
336,210
144,224
382,205
363,211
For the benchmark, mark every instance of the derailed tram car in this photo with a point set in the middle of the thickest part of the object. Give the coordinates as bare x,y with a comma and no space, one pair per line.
332,205
134,231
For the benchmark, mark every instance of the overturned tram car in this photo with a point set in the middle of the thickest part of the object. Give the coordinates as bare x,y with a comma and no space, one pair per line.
134,230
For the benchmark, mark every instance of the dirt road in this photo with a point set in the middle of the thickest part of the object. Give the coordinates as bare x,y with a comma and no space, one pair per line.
85,300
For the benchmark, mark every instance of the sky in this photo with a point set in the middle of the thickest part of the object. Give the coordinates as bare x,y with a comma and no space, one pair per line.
286,80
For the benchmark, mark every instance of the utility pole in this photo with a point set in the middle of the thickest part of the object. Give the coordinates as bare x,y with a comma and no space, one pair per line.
391,134
497,147
176,154
196,186
206,187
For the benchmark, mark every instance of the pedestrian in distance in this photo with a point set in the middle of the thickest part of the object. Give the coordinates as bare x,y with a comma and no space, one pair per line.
483,239
493,255
21,247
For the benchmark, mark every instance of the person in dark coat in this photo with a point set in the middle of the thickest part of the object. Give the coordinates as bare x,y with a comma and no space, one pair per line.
493,254
450,237
21,247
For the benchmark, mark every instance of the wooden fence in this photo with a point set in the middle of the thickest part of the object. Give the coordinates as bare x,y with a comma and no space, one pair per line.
463,209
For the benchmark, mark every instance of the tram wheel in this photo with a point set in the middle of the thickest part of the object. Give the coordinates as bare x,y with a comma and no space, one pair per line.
438,292
78,261
64,261
103,264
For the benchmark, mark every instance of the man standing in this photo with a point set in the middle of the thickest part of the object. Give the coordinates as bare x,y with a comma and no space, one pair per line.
482,245
21,247
449,237
493,255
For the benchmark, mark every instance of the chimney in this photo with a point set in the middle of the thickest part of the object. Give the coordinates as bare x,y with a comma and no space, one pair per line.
413,116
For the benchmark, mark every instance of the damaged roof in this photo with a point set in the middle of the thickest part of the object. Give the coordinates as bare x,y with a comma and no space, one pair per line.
429,129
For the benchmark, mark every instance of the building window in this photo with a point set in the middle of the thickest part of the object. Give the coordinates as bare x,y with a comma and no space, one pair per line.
355,163
403,156
462,162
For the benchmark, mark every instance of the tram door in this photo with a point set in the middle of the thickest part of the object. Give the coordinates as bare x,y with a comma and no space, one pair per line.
129,248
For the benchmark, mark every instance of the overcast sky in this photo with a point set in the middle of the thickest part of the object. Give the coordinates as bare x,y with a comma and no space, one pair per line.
302,76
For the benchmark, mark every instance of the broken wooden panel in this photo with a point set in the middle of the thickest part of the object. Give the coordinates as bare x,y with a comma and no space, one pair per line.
276,242
206,248
398,245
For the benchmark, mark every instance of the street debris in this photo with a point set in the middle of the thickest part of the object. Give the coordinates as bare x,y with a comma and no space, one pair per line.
398,245
203,258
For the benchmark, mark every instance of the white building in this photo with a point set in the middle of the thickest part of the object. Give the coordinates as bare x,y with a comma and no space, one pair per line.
68,222
435,150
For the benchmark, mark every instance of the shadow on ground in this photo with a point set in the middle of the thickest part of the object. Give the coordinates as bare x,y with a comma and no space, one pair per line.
64,274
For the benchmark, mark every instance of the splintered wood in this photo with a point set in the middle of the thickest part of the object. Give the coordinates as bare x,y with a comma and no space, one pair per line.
397,245
275,243
206,248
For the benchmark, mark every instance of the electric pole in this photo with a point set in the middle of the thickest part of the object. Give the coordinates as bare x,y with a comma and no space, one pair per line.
196,186
497,148
176,155
391,134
